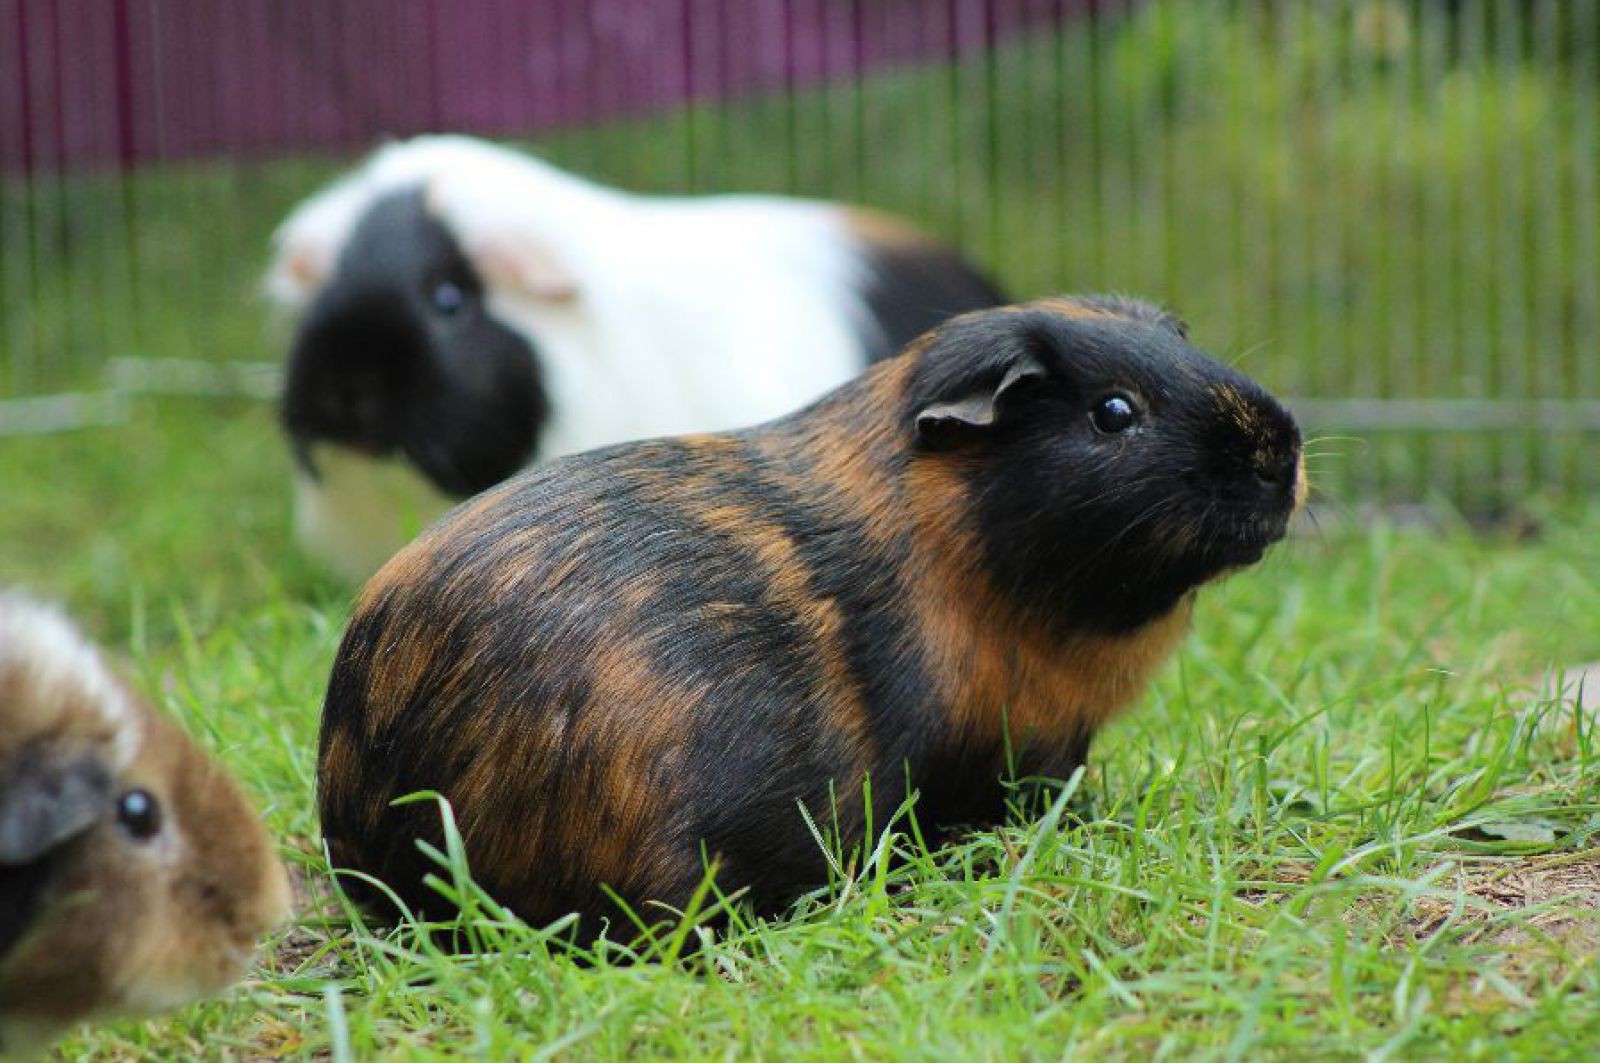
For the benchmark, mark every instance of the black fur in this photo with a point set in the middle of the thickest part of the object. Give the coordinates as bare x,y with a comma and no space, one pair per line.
911,288
682,570
47,800
664,550
21,890
378,365
1087,529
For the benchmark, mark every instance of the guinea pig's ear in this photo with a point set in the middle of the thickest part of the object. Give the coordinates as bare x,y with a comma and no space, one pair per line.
942,423
47,799
306,246
501,247
523,266
298,270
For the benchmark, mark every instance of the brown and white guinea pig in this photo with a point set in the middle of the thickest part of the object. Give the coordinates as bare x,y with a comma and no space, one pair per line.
465,310
625,659
133,875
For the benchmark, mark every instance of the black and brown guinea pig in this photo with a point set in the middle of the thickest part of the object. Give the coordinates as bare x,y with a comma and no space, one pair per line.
621,661
134,877
464,310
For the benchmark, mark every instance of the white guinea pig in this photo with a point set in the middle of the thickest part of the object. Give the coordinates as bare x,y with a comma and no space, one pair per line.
133,875
464,310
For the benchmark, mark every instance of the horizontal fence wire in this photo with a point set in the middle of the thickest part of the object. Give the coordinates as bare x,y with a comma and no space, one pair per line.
1388,210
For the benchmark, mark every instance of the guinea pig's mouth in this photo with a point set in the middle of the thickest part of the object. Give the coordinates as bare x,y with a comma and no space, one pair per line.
306,441
1247,541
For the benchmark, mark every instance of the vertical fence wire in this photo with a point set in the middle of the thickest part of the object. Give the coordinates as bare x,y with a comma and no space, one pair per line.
1581,278
1387,208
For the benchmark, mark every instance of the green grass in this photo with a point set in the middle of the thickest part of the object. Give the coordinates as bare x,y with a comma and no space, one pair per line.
1283,849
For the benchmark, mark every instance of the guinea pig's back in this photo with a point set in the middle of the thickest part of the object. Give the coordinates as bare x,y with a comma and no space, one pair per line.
601,640
909,281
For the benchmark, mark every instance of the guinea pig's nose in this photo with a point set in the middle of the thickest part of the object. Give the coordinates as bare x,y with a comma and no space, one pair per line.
353,405
1274,470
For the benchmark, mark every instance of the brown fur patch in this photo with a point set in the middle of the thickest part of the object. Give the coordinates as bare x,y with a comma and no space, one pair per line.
35,707
647,720
990,661
788,583
996,664
1070,308
1236,408
340,765
851,449
877,229
401,660
406,568
790,588
605,820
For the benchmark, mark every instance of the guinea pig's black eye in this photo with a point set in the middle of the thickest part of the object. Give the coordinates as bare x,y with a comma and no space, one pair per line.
448,298
1113,414
139,814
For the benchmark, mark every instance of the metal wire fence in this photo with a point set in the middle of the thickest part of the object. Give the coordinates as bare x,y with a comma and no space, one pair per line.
1388,210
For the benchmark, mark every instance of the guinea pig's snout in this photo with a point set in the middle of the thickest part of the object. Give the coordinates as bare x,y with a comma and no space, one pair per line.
348,407
243,915
349,375
359,400
1276,468
1275,463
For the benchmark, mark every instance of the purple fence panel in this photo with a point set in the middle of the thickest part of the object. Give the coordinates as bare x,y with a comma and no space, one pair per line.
124,82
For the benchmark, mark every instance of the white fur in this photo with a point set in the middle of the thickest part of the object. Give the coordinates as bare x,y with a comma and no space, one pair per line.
361,507
687,315
61,664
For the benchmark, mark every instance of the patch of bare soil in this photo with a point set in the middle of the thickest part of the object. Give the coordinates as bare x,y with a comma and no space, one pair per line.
1548,900
314,904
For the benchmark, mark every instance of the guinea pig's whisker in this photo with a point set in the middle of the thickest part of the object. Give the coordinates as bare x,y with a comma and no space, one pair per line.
1118,490
1327,497
1148,516
1205,522
1150,512
1315,521
1248,352
1110,493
